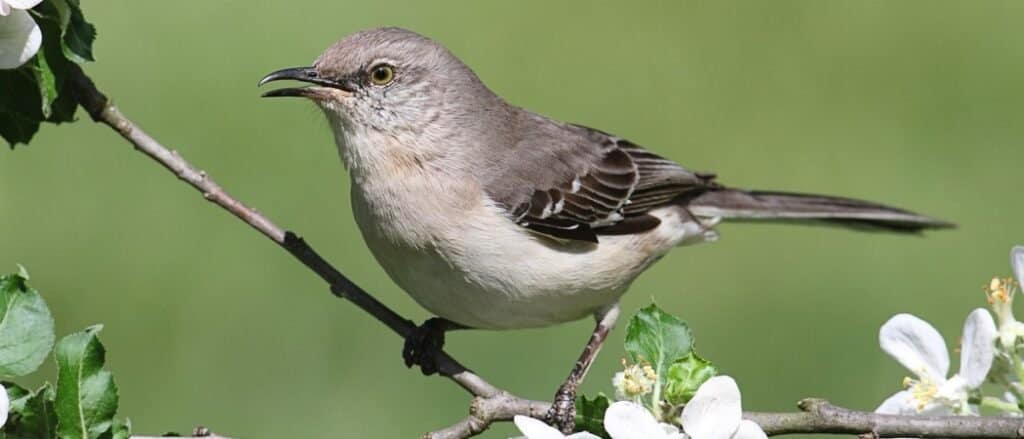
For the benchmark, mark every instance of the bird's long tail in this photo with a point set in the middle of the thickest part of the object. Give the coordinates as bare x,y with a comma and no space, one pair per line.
747,205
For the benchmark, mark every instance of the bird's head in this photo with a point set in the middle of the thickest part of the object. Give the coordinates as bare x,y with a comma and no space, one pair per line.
386,82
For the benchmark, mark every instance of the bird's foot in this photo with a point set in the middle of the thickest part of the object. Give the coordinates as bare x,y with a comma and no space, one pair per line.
423,345
562,414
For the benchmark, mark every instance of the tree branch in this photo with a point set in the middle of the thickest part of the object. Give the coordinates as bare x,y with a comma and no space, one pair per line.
490,403
102,110
820,416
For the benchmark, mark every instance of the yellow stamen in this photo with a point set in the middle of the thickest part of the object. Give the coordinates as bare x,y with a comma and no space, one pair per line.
922,391
637,379
999,290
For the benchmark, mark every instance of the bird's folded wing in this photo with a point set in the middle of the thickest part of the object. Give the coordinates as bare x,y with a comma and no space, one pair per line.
589,184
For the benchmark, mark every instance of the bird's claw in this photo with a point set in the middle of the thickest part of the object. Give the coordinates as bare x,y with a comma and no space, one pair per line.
423,345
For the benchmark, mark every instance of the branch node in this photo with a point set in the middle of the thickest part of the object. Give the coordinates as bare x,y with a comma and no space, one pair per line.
812,405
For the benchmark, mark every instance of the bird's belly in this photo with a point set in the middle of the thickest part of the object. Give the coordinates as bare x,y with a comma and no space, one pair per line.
500,291
487,272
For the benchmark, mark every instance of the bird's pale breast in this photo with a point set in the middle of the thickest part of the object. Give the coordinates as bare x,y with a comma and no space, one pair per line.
460,256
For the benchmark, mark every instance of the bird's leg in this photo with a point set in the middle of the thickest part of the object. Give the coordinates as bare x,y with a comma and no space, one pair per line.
563,409
423,345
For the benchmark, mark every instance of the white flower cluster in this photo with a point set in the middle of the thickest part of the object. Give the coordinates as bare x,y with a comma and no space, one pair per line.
987,351
20,36
715,412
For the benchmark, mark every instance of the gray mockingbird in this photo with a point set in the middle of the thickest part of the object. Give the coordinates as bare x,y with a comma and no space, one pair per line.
492,216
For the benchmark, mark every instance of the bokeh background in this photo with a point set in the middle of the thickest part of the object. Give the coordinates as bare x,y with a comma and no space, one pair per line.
914,103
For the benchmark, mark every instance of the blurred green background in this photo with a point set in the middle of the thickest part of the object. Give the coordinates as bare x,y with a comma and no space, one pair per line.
913,103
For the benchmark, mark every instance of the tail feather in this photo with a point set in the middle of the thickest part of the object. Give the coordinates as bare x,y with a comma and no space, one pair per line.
739,204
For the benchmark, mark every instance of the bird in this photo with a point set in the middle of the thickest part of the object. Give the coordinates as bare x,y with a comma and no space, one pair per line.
491,216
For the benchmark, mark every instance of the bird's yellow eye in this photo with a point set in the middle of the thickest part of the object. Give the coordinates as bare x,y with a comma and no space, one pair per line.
382,74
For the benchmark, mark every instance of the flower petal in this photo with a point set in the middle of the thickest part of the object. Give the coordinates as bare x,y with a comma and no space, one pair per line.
5,9
583,435
5,402
671,431
629,420
20,38
715,411
536,429
901,403
916,345
22,4
977,348
1017,261
749,430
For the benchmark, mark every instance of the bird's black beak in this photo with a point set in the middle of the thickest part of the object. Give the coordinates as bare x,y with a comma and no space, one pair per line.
304,74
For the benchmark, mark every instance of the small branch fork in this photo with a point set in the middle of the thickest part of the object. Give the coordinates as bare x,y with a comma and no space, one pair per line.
491,404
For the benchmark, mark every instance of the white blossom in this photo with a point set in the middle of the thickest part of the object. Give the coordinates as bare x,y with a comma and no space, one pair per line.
919,347
715,412
1000,294
536,429
629,420
20,36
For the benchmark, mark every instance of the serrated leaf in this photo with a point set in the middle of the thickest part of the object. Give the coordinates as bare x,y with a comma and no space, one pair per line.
122,429
590,414
658,338
16,396
49,66
77,35
15,128
63,109
685,376
46,80
35,419
36,91
20,112
26,327
86,394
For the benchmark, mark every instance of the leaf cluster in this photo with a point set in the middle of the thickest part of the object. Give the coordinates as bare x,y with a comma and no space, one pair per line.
39,91
84,401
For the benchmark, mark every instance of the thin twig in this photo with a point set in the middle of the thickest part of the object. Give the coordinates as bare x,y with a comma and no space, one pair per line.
492,404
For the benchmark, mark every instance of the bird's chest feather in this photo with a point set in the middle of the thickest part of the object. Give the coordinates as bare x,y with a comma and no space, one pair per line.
458,256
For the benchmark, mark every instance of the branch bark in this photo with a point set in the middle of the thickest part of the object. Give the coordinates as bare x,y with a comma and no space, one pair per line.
491,404
197,433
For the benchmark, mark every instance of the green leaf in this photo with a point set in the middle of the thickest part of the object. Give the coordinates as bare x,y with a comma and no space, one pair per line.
658,338
86,393
685,376
35,417
36,92
17,396
590,414
76,34
122,429
20,112
50,66
46,80
26,327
